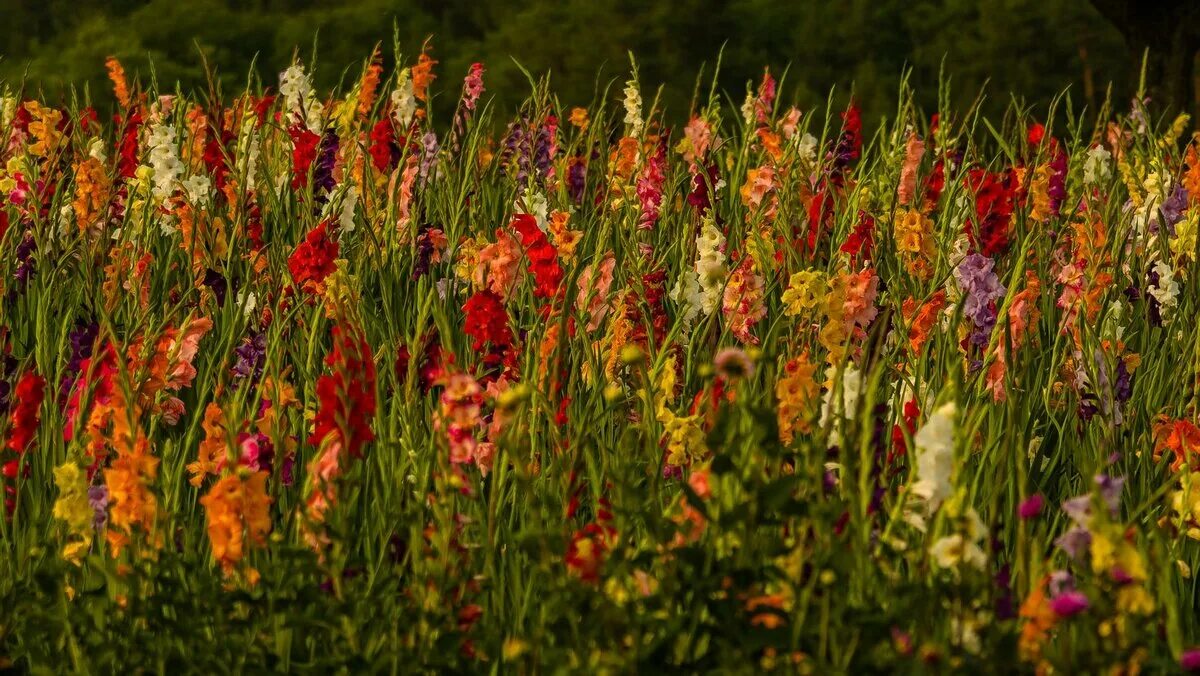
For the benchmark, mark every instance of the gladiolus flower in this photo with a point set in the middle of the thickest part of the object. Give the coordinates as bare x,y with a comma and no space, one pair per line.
486,321
1069,603
313,260
23,422
1031,507
346,393
543,259
1190,660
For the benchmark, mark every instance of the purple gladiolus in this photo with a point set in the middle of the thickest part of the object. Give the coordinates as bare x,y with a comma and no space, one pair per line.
98,501
982,291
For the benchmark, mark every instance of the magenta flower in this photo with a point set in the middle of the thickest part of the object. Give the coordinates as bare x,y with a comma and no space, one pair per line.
1069,603
1119,575
1190,659
1031,507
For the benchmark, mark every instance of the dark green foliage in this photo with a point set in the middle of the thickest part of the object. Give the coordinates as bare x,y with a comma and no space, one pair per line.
1034,48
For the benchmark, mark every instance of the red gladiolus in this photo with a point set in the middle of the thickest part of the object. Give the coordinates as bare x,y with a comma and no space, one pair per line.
88,119
22,119
1037,131
312,261
560,418
433,368
403,358
993,210
215,158
849,147
96,376
304,151
25,414
587,550
262,107
899,448
860,242
936,182
128,148
487,321
820,215
346,394
384,150
1057,189
543,257
430,362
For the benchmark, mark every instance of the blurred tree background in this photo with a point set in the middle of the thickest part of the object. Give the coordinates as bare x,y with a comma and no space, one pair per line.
1031,48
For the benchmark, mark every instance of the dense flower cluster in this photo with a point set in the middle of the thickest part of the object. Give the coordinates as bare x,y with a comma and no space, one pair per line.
348,384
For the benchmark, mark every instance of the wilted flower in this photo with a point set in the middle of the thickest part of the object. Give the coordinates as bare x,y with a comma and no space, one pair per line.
733,363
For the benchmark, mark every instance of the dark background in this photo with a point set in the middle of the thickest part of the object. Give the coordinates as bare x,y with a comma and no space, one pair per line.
1029,48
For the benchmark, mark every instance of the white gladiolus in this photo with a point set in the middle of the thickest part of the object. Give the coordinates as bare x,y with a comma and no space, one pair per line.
748,109
404,102
633,108
297,92
349,204
935,456
96,149
710,266
1113,327
8,109
1096,167
247,151
689,296
699,289
197,187
248,302
164,161
534,204
1166,291
808,148
66,220
844,406
1156,187
954,550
